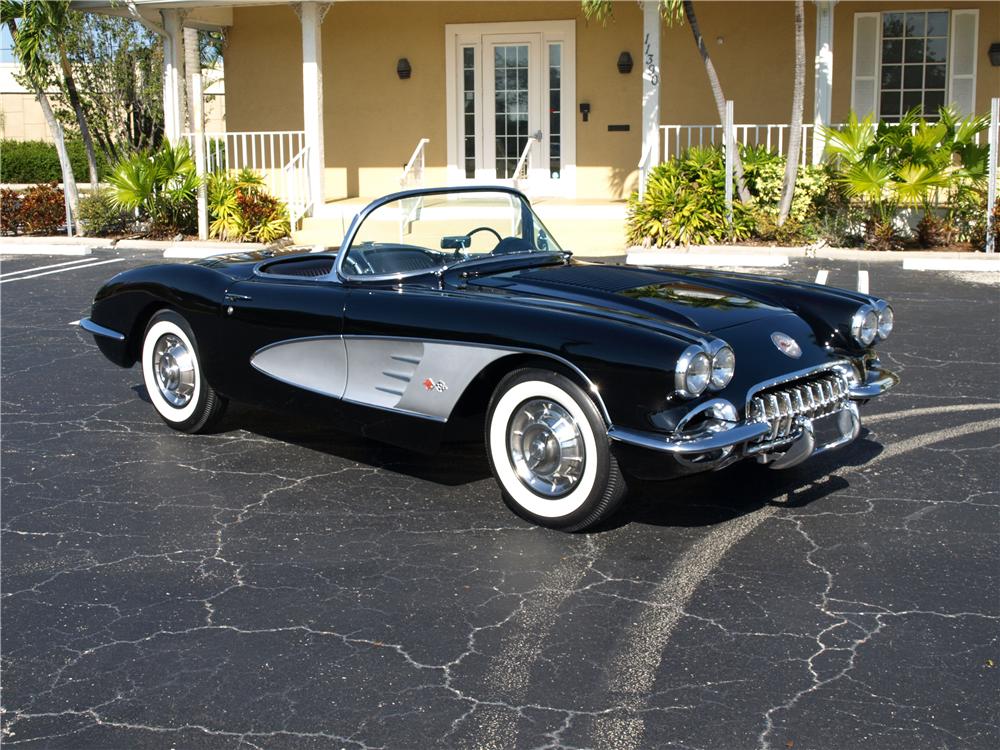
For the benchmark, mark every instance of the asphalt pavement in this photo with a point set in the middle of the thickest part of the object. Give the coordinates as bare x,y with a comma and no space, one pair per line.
281,585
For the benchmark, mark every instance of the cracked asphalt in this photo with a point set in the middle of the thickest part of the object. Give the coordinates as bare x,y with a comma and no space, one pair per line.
280,585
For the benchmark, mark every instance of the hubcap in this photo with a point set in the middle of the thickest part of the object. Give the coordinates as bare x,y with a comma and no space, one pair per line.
546,447
173,366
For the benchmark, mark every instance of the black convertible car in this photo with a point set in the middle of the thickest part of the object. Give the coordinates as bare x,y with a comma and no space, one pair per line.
453,313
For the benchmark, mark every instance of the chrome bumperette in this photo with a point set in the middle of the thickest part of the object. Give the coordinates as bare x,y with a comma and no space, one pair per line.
878,380
98,330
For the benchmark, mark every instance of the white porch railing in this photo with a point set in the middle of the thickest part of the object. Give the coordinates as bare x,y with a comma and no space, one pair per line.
413,172
521,170
774,137
279,156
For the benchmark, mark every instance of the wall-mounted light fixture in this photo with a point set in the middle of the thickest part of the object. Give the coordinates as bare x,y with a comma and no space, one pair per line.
995,54
403,69
624,63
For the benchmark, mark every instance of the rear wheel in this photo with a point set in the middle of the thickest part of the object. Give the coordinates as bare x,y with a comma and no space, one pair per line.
549,452
173,377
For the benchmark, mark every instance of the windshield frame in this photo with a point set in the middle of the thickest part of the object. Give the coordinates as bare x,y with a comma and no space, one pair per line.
528,219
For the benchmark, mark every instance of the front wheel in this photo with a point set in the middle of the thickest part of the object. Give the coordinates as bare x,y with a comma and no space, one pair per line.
549,452
173,377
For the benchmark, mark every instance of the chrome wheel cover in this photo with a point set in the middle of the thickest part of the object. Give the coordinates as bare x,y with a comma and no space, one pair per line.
173,369
546,448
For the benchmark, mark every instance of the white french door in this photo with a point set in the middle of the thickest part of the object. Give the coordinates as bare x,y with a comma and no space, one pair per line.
512,104
507,86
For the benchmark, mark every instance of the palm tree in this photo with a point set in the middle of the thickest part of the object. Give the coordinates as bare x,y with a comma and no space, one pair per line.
795,136
27,49
674,11
44,24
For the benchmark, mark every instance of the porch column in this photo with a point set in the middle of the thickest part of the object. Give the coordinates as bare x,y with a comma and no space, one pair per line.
651,79
173,74
311,15
823,85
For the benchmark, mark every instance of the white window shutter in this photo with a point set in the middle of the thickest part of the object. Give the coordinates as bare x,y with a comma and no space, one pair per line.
962,60
864,88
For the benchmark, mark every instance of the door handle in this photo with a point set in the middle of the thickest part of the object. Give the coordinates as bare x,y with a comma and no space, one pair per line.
230,297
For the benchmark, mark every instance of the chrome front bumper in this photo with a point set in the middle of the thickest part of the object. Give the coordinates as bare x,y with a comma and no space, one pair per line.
759,437
98,330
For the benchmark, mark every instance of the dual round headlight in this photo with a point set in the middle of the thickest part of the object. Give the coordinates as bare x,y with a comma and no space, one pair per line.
699,369
871,322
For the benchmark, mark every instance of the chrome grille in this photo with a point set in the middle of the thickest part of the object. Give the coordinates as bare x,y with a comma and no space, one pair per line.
782,406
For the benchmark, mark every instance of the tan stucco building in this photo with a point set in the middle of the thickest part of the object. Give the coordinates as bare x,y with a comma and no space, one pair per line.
571,106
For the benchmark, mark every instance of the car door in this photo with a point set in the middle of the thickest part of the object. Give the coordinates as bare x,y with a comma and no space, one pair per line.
281,337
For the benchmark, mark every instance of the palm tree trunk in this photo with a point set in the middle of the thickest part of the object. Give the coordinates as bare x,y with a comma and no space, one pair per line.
795,136
81,118
69,182
720,99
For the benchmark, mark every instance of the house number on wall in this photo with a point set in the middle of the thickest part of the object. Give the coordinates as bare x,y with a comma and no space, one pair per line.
654,76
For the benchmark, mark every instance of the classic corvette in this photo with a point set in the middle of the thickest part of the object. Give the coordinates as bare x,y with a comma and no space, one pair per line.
453,313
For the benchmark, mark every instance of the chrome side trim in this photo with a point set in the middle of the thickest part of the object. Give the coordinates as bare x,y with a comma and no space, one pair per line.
878,381
703,442
91,327
388,372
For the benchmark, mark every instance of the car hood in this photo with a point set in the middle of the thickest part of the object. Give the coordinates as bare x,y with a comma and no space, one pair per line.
692,299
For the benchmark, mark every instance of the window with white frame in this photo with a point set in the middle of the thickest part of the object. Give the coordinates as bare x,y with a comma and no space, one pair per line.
919,60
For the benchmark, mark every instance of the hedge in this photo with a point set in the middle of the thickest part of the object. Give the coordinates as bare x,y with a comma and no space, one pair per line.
37,161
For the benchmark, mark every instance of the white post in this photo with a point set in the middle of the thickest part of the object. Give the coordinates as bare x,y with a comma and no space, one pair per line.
730,146
173,74
311,14
197,105
823,86
991,188
651,80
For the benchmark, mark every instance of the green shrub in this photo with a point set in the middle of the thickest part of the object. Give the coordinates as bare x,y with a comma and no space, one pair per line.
162,185
42,209
37,161
685,204
100,215
242,211
10,211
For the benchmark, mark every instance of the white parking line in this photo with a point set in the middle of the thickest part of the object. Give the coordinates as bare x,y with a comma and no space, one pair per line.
950,264
42,268
863,282
822,275
62,270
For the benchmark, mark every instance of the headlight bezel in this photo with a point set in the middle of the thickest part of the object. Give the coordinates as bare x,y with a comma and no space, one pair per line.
858,321
683,385
884,312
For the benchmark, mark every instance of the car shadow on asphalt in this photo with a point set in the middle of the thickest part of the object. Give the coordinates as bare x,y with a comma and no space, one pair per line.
704,499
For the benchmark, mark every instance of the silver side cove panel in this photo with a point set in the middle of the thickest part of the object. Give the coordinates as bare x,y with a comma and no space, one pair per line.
422,378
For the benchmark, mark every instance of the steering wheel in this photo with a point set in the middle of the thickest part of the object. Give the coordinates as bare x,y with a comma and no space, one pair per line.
485,229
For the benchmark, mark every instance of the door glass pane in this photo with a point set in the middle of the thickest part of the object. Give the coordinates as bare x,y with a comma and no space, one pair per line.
469,97
510,80
555,111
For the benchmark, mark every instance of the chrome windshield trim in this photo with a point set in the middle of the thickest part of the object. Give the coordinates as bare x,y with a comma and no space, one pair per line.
98,330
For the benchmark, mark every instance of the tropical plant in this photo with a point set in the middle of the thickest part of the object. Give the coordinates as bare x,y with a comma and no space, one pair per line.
10,211
163,186
101,215
675,12
685,204
241,209
42,209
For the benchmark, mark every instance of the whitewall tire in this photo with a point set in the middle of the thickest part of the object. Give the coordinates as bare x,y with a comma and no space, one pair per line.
172,374
549,451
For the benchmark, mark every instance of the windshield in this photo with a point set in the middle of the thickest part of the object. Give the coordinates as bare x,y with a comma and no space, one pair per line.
427,232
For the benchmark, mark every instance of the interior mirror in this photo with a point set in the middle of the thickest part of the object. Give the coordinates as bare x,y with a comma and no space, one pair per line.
456,242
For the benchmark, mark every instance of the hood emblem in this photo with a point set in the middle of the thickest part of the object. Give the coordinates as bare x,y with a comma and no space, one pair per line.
786,344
